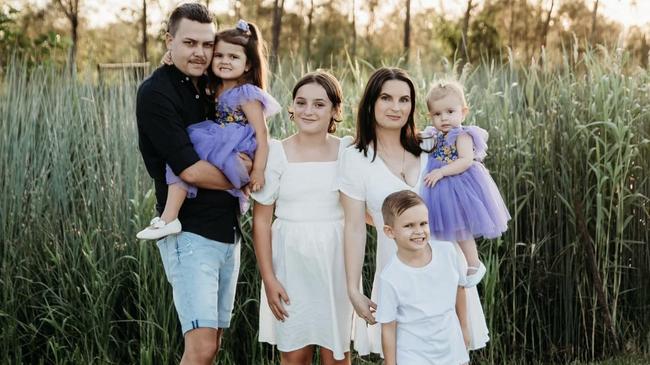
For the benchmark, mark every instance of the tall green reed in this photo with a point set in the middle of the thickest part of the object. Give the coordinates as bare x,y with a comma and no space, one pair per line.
568,148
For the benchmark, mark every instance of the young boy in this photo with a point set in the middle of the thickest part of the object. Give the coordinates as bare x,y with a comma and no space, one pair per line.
421,303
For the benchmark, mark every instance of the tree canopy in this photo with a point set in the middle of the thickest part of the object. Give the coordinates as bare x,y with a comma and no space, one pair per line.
323,33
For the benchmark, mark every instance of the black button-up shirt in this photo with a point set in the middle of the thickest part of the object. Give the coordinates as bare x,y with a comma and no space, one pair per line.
167,104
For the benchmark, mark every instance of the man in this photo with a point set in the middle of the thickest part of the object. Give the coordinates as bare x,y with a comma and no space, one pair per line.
201,262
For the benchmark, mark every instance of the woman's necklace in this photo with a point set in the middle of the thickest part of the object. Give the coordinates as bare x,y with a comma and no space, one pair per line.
391,165
401,173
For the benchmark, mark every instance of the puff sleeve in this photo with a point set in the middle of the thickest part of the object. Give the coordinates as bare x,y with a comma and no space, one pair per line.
479,137
353,167
248,92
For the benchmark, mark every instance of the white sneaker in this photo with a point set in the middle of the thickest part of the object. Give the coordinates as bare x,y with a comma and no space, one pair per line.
476,277
159,229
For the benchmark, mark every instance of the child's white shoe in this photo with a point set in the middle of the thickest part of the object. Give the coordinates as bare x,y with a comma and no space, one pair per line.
476,277
159,229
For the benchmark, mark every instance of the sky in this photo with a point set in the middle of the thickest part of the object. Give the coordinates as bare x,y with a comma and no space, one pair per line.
102,12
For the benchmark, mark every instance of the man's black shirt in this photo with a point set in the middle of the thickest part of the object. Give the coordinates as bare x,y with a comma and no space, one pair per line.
167,103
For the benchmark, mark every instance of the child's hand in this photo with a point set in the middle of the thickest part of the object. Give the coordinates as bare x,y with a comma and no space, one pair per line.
246,189
167,59
257,180
433,177
275,295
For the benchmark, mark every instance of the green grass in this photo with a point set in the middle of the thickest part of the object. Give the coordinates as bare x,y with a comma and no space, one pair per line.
569,149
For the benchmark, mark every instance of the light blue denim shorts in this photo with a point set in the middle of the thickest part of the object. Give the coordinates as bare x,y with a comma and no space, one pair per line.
203,274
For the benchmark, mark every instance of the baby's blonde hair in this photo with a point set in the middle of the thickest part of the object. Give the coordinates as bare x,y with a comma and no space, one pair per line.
442,88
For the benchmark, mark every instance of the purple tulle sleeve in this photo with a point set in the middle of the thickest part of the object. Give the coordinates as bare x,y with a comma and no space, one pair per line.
247,92
428,136
479,137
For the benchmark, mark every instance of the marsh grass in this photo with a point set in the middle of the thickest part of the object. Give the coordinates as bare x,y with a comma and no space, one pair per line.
569,149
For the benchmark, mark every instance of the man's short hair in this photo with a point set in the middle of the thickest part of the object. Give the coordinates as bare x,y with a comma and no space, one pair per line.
192,11
397,203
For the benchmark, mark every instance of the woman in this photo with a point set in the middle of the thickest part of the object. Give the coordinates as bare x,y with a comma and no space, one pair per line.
300,255
385,157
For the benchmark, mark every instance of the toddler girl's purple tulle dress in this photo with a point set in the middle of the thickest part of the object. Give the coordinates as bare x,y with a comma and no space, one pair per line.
468,204
220,141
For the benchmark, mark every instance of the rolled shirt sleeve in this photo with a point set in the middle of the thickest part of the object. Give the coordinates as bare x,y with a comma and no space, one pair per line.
162,125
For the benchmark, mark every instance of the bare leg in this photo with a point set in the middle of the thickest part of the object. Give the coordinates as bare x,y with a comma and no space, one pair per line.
471,254
302,356
327,358
201,346
175,198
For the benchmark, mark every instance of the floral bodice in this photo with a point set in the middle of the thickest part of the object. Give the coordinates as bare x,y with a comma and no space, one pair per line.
226,114
228,104
444,151
445,143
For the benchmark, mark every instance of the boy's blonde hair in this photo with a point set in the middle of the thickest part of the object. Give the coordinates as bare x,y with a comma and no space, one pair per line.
442,88
397,203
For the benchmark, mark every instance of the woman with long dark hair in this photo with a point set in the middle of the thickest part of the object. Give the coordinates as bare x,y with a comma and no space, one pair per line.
386,157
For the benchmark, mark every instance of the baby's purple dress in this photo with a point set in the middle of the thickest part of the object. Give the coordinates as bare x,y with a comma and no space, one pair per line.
220,141
468,204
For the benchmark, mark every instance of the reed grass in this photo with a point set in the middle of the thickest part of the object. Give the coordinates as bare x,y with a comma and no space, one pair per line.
569,149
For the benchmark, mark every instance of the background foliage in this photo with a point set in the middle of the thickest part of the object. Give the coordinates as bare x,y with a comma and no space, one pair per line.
569,148
497,29
569,127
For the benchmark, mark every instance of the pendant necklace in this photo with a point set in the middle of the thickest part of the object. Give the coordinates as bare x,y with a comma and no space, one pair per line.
402,174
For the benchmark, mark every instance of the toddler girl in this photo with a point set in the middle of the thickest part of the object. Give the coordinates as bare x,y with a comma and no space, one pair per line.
463,200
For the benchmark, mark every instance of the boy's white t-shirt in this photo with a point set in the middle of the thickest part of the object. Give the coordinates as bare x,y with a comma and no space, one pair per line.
423,302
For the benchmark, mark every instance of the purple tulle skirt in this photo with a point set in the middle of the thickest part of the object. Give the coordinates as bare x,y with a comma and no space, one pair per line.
466,205
220,145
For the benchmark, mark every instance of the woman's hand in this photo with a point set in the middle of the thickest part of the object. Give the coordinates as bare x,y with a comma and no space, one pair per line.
275,295
433,177
364,307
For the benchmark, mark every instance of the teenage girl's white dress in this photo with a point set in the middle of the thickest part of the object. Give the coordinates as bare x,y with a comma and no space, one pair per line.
370,181
307,249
